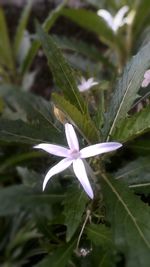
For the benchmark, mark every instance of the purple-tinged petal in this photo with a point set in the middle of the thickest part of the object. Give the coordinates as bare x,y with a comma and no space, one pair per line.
81,88
80,172
145,83
54,149
71,137
61,166
86,84
147,74
90,80
97,149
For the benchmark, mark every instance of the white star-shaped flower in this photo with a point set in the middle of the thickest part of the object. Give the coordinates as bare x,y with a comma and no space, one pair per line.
146,80
86,84
114,22
73,155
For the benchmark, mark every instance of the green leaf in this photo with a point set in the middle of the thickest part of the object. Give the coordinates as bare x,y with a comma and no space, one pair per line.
60,257
126,90
90,21
15,159
6,58
18,197
141,16
129,218
141,146
74,206
62,72
133,126
1,105
21,132
86,49
100,235
22,26
29,177
83,122
35,109
95,3
99,114
38,123
82,64
48,23
136,174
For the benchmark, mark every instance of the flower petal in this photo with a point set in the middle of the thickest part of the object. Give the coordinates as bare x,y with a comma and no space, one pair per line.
97,149
54,149
82,87
94,83
145,83
86,85
61,166
71,137
80,172
91,82
106,16
118,19
147,74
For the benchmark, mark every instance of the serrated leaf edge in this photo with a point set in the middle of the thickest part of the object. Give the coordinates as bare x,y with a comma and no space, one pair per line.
127,209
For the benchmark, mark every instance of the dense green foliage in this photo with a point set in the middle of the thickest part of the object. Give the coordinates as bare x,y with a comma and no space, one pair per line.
62,227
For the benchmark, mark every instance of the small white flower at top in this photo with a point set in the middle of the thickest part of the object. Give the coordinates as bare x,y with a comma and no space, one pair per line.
146,80
73,155
114,22
86,84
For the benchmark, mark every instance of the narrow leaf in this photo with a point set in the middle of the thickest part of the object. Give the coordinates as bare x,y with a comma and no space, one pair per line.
6,57
15,160
21,132
82,47
22,26
48,23
90,21
126,90
35,109
136,174
100,235
59,258
18,197
62,72
141,17
129,218
141,146
74,207
83,122
133,126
